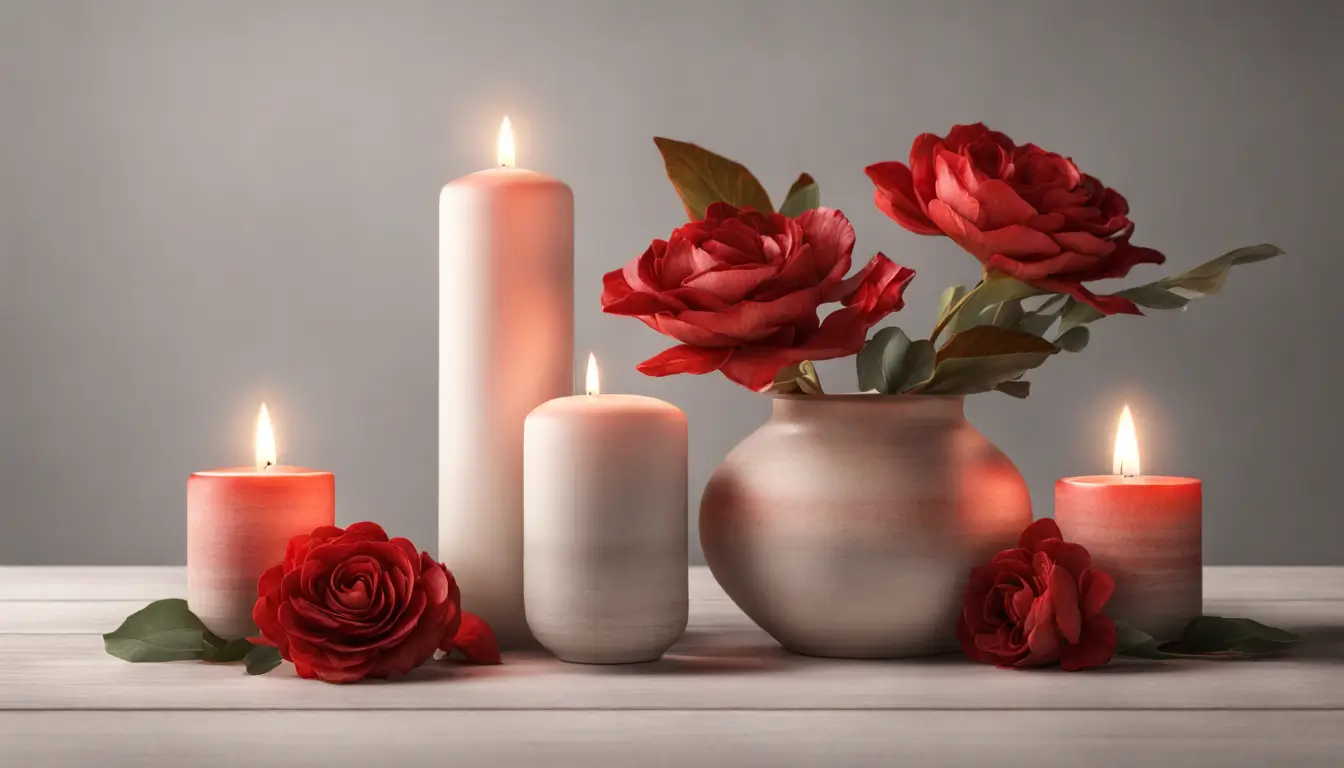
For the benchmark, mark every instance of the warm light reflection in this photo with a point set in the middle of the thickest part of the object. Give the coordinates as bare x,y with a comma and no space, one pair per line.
504,149
1126,446
265,440
591,385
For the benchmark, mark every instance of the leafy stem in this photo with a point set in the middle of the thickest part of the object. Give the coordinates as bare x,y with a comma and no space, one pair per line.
952,312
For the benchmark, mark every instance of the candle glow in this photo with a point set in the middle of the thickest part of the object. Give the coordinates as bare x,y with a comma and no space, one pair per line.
265,440
1126,460
591,382
504,147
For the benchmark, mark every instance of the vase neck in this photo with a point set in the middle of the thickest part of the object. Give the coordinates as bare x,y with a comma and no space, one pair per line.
861,410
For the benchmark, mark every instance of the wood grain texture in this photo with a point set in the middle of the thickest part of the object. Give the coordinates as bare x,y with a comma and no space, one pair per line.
725,695
703,739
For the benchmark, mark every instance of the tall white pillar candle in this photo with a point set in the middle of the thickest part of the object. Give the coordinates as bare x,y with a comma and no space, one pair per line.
604,532
506,328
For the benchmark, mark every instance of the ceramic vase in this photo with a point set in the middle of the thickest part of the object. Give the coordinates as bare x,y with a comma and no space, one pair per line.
846,526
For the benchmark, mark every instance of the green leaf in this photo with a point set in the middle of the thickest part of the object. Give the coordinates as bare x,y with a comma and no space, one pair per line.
702,178
1176,291
1206,637
164,630
949,299
1134,642
797,379
1209,277
1039,320
1076,313
1008,314
981,358
1015,388
804,195
221,651
262,659
1074,339
985,298
1155,298
890,362
1215,635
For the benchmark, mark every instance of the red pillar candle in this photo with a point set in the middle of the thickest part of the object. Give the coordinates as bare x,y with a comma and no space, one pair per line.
1145,531
238,523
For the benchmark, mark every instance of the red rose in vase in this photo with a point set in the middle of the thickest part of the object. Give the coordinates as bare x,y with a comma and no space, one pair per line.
1038,604
741,290
1020,210
349,604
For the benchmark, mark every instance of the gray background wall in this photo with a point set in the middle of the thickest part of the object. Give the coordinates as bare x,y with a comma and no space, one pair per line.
204,205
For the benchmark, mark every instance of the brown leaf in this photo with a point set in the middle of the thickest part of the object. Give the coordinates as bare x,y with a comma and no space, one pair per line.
702,178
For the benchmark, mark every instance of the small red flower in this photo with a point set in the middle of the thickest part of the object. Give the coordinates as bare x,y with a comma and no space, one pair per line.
1038,604
351,603
1018,209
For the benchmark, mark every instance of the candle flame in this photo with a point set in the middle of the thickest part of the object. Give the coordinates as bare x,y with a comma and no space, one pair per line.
1126,446
504,149
591,386
265,440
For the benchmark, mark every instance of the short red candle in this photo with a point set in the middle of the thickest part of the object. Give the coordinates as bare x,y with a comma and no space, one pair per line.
239,521
1146,531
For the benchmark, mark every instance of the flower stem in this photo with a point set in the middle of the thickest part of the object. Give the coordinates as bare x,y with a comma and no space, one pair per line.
947,318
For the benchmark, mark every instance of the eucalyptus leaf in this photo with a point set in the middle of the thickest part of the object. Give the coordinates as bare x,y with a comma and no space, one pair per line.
164,630
1134,642
702,178
981,358
262,659
1207,637
1177,291
1076,313
1156,298
221,651
891,361
1074,339
949,298
803,196
1039,320
979,308
1008,314
796,379
973,375
1015,388
1237,637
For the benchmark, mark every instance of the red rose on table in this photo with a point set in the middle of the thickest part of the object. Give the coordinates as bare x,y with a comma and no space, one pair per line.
349,604
740,290
1038,604
1020,210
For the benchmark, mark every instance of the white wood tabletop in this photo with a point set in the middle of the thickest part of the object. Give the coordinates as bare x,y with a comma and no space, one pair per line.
725,695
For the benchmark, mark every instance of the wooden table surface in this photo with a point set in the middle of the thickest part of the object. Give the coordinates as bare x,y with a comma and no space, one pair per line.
725,695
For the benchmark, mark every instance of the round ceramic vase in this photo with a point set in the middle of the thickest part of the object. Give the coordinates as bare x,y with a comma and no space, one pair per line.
847,525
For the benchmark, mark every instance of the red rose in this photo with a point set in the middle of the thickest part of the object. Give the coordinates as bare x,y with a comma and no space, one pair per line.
349,604
741,289
1038,604
1020,210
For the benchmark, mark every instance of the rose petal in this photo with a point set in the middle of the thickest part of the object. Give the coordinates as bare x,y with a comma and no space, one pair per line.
1095,647
1063,593
475,640
1096,588
685,359
1013,240
1038,531
895,196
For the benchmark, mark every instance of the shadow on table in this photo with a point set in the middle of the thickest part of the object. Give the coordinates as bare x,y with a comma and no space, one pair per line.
1322,643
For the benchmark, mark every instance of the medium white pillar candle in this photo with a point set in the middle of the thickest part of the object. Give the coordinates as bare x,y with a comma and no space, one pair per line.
506,320
604,533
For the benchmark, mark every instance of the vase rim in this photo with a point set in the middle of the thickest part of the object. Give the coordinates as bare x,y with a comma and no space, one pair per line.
864,397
